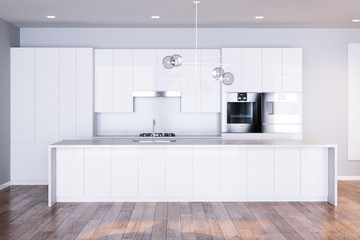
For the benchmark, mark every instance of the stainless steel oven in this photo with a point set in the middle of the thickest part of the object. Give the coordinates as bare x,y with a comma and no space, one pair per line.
282,112
241,112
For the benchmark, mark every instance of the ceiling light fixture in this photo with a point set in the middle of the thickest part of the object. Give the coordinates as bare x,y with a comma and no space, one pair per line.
259,17
356,20
155,17
50,16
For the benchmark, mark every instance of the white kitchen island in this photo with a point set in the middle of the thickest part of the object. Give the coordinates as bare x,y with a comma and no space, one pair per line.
103,170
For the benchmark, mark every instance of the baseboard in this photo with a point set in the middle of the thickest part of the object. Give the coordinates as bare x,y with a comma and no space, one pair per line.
4,185
28,183
348,178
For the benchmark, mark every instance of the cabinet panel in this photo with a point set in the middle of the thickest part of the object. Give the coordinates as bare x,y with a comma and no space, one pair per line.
22,59
292,69
29,163
103,65
70,172
272,69
206,164
168,79
97,172
103,97
232,62
314,174
151,172
287,172
84,104
145,70
47,59
22,107
67,59
124,175
67,105
46,106
179,172
261,172
84,59
123,99
233,172
251,70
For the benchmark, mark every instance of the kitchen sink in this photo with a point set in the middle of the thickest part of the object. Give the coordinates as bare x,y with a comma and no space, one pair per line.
151,141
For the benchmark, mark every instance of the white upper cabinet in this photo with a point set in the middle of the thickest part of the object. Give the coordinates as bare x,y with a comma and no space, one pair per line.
67,60
251,66
292,69
209,87
231,62
145,73
272,69
22,60
47,59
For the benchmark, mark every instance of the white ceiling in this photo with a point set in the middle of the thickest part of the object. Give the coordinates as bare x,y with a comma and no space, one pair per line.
181,13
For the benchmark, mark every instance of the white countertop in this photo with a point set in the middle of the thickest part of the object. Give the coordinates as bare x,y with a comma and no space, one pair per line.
114,142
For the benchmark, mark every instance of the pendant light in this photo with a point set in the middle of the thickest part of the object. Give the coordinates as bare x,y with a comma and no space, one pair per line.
218,73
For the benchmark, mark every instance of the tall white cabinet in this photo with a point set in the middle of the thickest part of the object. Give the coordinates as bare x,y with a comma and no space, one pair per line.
51,100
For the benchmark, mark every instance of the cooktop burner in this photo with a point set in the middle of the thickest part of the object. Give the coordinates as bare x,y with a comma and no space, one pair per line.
157,135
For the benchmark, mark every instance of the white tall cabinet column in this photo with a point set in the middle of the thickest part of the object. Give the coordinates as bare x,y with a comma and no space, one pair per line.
51,100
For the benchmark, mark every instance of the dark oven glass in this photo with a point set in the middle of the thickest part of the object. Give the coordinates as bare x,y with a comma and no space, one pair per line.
243,112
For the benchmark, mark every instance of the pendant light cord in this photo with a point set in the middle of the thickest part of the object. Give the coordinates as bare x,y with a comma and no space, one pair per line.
196,39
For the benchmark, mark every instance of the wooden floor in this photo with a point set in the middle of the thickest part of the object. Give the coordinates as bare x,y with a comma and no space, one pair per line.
24,215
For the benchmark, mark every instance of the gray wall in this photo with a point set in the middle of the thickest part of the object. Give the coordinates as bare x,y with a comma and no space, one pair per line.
324,58
9,37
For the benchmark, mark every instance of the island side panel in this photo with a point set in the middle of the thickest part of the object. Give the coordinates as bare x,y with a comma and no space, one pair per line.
52,176
332,176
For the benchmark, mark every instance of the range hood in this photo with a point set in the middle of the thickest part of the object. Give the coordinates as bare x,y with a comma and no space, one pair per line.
157,94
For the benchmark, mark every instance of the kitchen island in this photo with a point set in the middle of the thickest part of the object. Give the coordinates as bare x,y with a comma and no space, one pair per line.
102,170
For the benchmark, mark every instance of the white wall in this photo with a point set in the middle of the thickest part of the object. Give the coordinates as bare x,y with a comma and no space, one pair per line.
324,57
9,37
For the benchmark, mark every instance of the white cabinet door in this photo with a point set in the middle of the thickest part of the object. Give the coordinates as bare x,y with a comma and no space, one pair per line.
151,172
233,172
84,59
272,69
179,172
287,172
124,175
251,66
261,172
46,106
190,84
123,80
206,162
292,69
97,172
70,172
84,104
103,65
168,79
22,60
47,59
22,106
145,69
67,60
67,105
29,163
314,176
231,62
209,87
104,96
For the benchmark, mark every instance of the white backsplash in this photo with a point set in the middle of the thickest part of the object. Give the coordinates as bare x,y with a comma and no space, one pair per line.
166,112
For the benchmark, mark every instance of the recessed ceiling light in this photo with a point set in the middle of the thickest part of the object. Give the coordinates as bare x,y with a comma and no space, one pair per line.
50,16
259,17
356,20
155,17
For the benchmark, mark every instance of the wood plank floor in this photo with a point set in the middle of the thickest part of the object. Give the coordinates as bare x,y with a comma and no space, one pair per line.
24,215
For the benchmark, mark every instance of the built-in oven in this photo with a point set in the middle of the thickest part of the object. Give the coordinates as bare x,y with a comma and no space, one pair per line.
282,112
241,112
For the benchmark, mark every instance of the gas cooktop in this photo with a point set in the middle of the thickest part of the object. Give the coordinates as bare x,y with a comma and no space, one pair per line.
157,135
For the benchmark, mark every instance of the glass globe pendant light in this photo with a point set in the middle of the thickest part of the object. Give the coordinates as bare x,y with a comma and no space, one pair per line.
172,61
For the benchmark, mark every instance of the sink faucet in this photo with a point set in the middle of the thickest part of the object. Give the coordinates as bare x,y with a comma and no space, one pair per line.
153,130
